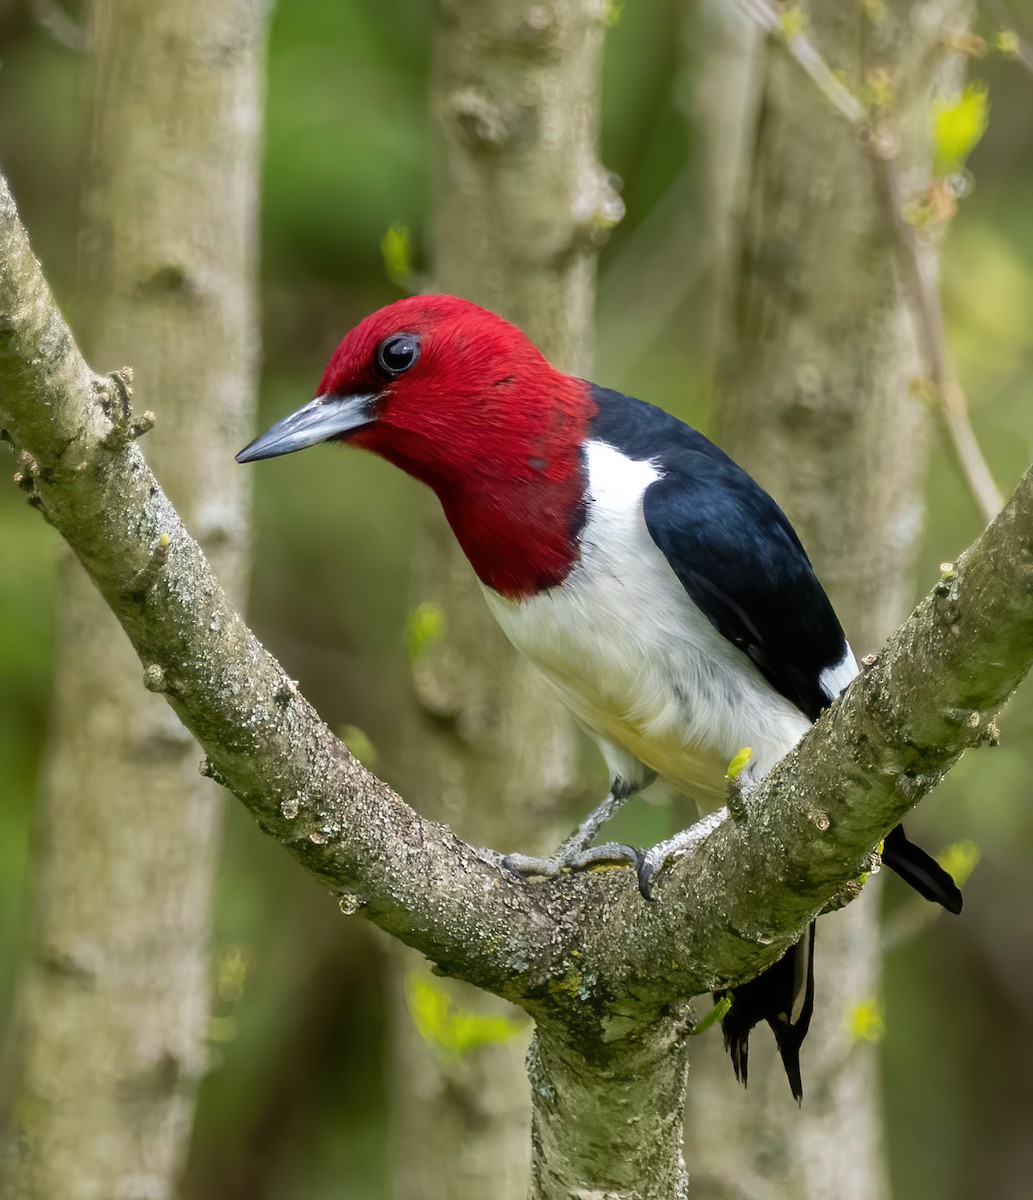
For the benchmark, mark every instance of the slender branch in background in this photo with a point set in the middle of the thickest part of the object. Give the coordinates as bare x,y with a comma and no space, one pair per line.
818,357
787,28
1011,43
629,300
928,310
62,27
1023,53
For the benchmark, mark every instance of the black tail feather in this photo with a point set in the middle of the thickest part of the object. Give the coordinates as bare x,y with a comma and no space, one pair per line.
920,870
783,995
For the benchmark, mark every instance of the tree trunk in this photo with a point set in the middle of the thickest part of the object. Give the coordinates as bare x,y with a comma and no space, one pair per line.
816,400
522,205
113,1008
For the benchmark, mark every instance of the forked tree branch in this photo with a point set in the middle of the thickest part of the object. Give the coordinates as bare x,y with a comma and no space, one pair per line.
722,911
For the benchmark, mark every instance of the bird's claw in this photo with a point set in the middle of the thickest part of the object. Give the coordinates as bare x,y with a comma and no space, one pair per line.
647,868
525,865
609,852
573,859
676,847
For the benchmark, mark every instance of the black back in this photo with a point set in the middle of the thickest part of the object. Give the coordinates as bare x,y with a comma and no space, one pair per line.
731,547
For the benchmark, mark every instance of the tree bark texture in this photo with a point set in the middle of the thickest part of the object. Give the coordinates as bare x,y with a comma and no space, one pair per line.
521,206
605,974
112,1019
816,398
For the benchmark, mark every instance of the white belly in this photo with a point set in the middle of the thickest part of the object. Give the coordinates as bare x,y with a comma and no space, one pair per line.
639,665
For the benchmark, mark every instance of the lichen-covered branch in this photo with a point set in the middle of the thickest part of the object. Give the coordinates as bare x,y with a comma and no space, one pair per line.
584,952
86,474
813,821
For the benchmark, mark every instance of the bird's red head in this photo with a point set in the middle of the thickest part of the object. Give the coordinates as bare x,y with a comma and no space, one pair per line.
460,399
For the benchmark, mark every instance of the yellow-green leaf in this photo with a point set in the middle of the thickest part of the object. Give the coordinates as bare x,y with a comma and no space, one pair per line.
737,765
396,247
1008,43
866,1022
232,967
612,12
958,124
426,625
452,1031
791,23
222,1030
959,860
717,1013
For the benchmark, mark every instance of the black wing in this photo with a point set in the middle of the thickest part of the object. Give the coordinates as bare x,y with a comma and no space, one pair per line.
732,548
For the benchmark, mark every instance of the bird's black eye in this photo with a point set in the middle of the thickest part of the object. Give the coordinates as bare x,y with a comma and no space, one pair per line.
398,353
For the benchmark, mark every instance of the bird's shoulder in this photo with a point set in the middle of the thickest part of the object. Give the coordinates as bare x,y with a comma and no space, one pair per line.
699,490
732,549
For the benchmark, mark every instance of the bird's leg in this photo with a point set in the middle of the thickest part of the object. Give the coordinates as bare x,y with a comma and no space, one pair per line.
742,779
574,852
681,844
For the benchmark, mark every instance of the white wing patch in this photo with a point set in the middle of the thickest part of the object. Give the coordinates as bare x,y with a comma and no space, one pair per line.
638,663
837,678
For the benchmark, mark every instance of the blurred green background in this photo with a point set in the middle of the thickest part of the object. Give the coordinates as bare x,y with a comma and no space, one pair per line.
297,991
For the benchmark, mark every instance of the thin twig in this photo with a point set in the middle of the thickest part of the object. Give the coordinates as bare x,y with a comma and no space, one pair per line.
63,28
838,95
929,311
1024,54
632,271
925,296
1019,49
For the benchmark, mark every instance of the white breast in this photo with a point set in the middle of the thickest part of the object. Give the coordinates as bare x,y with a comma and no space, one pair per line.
638,663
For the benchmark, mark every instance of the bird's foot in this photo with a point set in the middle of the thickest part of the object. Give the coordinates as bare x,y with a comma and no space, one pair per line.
676,847
572,858
576,853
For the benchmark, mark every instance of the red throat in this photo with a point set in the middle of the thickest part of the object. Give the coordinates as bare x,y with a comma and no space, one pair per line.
482,418
521,539
513,490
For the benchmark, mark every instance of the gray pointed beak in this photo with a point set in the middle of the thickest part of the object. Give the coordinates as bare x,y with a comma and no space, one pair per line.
320,420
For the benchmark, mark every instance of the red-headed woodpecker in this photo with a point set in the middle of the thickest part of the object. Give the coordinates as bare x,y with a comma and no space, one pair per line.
660,591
